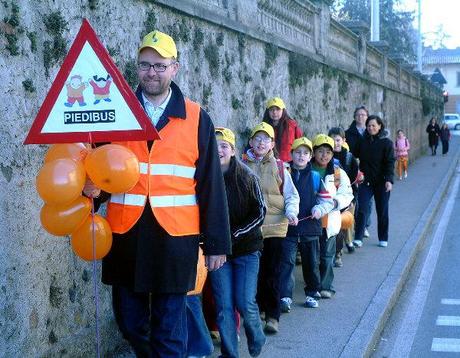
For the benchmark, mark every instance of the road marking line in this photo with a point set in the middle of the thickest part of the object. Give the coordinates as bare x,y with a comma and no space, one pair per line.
409,326
448,321
450,301
445,345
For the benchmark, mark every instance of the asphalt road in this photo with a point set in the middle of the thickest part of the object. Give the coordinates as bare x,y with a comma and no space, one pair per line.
426,319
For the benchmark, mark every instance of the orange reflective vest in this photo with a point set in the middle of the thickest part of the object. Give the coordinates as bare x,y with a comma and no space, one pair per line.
167,179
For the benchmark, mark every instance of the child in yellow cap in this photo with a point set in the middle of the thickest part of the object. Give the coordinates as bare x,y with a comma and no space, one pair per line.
282,201
286,128
234,285
338,185
315,202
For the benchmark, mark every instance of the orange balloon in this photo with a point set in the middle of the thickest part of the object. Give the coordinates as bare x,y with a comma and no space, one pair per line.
61,181
113,168
82,239
60,220
347,220
75,151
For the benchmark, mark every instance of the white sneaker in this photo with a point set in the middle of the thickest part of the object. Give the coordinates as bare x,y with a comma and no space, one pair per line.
310,302
357,243
285,304
383,243
400,178
405,175
366,233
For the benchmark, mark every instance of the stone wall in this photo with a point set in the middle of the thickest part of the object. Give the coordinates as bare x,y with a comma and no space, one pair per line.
234,55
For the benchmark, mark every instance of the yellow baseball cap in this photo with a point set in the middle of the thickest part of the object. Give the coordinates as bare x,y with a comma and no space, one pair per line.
302,141
322,139
276,101
225,134
264,127
345,145
160,42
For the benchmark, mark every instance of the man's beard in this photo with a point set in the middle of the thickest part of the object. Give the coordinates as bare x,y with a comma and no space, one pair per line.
155,88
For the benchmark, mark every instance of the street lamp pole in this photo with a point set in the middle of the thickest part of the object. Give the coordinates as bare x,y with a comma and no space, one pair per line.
375,20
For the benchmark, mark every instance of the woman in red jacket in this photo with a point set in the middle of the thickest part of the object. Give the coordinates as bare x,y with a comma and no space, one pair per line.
286,128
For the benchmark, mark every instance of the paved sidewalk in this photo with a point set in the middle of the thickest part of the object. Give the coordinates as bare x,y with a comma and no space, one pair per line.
349,324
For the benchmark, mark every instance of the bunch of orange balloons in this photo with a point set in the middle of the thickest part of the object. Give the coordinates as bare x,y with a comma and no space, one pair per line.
113,168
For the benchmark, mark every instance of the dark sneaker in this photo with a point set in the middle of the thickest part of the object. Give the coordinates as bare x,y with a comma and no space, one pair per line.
271,326
310,302
350,248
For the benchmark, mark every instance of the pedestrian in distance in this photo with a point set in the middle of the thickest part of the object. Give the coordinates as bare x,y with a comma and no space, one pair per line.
234,285
402,147
282,201
337,183
445,138
351,166
377,163
433,131
157,225
286,128
315,202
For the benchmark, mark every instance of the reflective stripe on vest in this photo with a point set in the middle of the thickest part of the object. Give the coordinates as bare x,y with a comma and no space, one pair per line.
166,201
167,179
172,169
128,199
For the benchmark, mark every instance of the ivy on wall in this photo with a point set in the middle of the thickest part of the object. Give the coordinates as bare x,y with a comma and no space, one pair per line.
11,35
54,50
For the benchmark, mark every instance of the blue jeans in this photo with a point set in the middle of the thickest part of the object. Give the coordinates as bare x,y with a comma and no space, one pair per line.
199,341
326,261
168,322
309,251
234,285
131,310
381,196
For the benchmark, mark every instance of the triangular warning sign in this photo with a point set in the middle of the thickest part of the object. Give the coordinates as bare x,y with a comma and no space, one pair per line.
90,101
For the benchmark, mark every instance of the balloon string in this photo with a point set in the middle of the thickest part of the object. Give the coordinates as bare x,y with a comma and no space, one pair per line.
305,218
96,295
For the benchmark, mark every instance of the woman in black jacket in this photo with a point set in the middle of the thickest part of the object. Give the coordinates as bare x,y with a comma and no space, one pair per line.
377,163
234,285
433,131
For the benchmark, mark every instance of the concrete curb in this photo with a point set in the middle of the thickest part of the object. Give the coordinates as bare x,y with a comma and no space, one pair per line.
367,332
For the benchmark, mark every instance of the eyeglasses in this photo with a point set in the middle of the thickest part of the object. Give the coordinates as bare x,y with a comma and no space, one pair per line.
157,67
265,140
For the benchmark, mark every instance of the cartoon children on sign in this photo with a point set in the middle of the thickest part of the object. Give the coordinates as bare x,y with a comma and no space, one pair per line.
75,88
101,88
